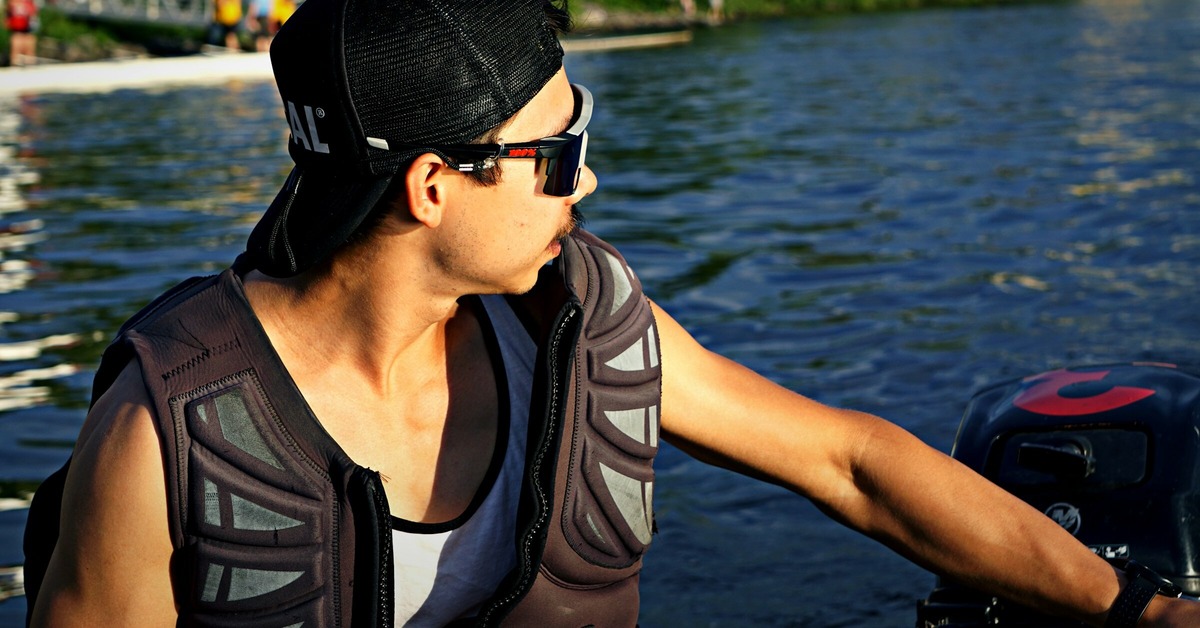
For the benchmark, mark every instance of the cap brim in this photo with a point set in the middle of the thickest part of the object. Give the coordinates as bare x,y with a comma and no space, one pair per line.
312,216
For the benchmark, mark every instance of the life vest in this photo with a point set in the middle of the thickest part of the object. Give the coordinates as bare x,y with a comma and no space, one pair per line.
274,525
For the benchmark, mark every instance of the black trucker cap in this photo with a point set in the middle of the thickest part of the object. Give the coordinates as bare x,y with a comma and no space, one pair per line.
359,76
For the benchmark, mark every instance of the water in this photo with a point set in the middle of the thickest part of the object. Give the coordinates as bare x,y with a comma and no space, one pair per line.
884,212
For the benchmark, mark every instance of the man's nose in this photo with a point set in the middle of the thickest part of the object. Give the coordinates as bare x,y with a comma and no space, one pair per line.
587,184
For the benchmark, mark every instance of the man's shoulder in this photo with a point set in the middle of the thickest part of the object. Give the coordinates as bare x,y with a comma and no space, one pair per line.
587,267
586,239
168,300
594,266
126,398
158,318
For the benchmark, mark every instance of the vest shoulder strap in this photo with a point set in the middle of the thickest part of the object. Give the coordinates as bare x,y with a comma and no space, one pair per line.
254,485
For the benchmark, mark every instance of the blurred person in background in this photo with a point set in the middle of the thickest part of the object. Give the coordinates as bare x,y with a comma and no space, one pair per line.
226,24
21,19
257,20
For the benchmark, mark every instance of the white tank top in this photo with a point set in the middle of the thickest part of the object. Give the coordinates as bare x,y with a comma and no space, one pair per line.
444,571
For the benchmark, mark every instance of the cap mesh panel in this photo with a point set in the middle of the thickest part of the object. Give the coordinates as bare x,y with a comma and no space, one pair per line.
445,72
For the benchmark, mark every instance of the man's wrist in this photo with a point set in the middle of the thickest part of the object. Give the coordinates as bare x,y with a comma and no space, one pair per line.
1141,588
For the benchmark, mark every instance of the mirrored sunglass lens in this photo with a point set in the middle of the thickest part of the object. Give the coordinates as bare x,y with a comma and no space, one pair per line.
562,172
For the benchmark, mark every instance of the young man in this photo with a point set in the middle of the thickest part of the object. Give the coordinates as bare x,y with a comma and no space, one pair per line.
338,431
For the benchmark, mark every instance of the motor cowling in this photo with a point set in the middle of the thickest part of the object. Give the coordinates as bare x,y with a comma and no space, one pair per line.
1111,453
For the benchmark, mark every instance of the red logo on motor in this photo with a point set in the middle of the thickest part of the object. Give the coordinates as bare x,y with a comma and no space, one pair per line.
1045,398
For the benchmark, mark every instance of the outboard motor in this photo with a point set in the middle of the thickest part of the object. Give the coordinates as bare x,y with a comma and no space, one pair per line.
1112,453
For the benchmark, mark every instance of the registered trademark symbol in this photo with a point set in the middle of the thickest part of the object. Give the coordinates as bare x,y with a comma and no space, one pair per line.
320,112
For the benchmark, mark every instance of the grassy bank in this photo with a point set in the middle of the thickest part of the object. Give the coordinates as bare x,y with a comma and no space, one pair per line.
602,15
68,39
770,8
63,38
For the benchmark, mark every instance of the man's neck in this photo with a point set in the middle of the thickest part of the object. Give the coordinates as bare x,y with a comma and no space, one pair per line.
368,321
397,373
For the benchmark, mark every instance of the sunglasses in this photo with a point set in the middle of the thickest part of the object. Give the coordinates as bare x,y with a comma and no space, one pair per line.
562,155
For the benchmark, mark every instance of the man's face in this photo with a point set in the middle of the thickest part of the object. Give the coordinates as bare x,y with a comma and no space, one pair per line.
499,236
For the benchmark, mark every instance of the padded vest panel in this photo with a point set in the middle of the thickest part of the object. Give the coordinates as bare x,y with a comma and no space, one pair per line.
609,512
246,493
258,507
604,485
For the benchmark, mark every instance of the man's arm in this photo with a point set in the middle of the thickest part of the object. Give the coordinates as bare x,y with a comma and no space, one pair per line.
111,566
879,479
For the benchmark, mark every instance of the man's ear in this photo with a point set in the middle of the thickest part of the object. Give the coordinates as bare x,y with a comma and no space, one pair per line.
426,188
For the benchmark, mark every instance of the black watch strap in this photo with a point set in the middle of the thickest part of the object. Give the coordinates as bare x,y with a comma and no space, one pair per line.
1131,603
1143,584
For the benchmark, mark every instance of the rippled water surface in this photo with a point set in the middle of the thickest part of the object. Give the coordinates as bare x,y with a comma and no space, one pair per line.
883,211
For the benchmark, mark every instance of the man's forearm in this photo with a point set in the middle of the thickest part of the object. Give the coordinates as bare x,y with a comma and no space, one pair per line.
948,518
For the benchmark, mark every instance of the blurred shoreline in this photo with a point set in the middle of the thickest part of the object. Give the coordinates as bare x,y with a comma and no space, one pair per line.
64,39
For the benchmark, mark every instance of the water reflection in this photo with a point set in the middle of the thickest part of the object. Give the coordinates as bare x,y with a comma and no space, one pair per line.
16,237
21,388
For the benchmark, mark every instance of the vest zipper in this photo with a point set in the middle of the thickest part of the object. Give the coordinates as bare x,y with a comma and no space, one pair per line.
543,495
372,599
387,613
